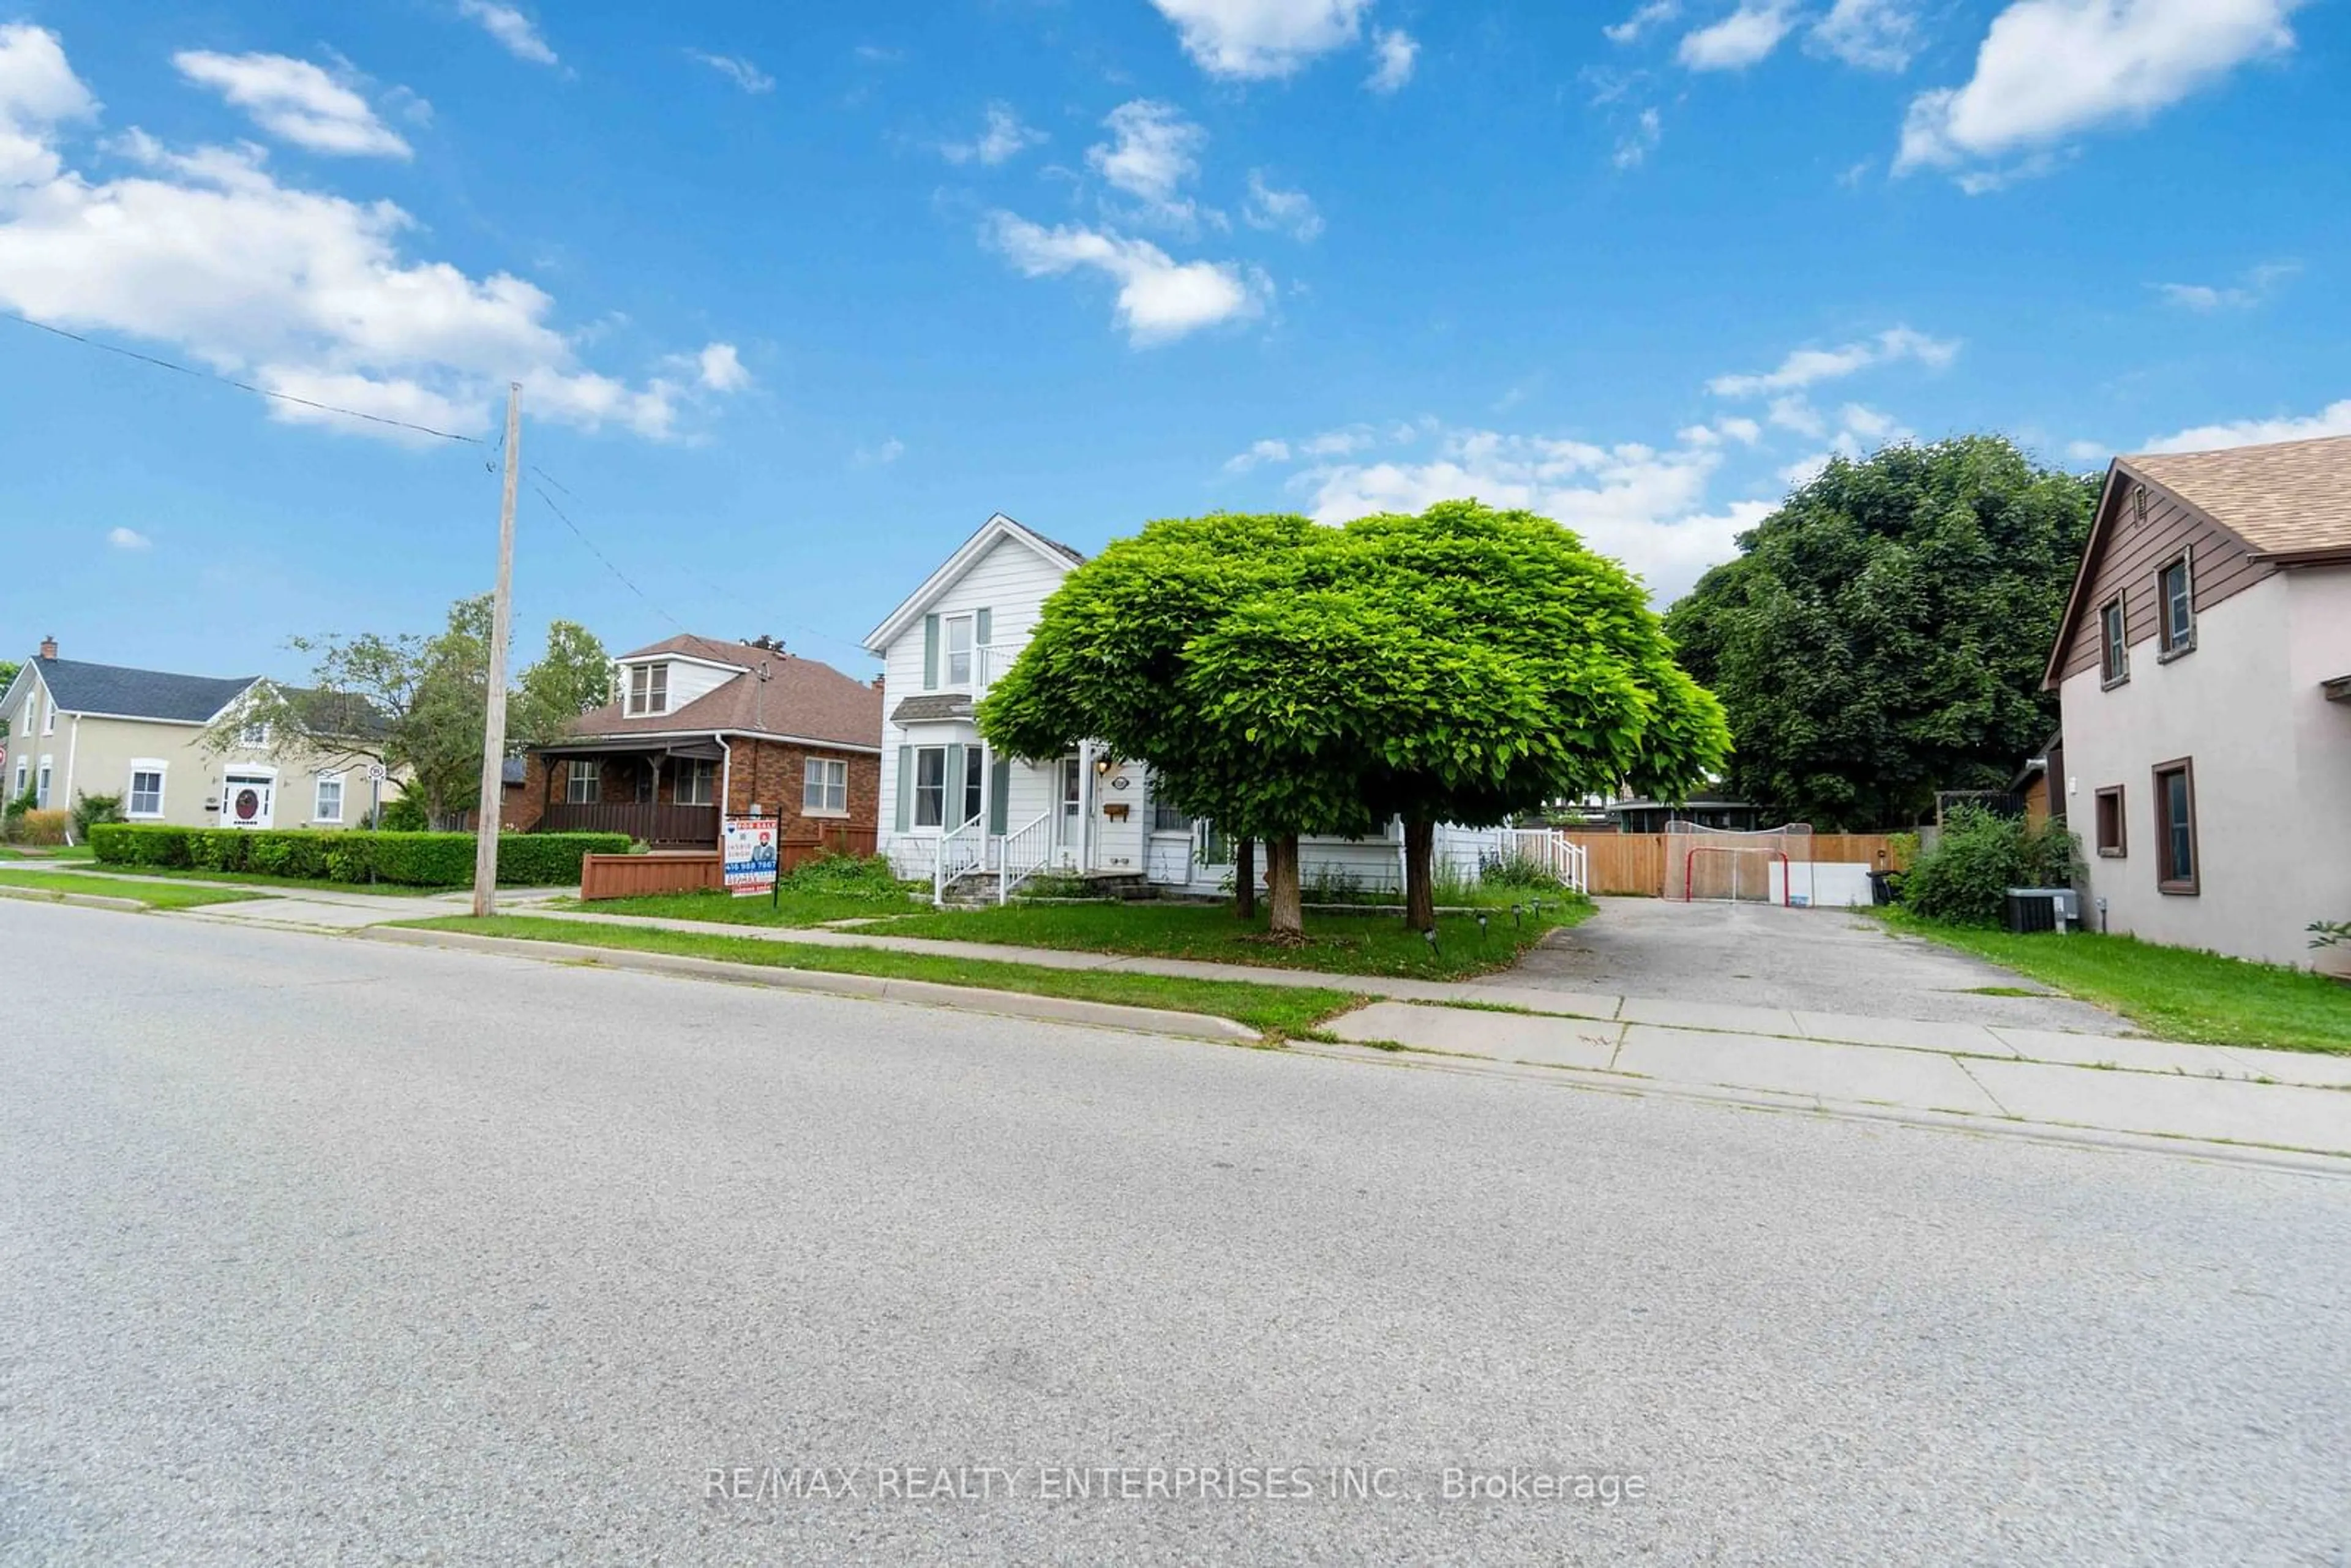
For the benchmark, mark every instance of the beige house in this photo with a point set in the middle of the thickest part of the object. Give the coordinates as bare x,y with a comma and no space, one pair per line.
78,729
2204,671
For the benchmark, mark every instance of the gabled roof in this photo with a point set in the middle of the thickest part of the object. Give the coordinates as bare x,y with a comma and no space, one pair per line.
2287,498
800,698
125,692
2288,502
1052,551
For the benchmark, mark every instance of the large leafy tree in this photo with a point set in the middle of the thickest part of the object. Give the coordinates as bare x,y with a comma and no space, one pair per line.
1883,634
1288,679
416,704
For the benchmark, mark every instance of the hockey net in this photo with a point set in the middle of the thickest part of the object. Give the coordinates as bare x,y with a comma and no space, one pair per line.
1728,865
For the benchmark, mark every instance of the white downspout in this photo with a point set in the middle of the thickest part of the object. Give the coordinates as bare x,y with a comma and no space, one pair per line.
73,744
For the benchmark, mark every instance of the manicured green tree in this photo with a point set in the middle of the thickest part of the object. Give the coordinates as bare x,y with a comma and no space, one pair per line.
1883,634
1462,665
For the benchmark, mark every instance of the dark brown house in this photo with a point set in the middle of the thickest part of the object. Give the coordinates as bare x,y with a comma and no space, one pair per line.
702,724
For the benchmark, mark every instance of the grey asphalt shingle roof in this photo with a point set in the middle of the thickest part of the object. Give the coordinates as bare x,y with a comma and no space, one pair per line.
80,687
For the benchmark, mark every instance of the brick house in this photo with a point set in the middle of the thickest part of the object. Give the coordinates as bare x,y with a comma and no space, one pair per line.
700,722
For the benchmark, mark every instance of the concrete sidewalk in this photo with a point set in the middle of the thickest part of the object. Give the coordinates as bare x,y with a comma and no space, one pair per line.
2274,1099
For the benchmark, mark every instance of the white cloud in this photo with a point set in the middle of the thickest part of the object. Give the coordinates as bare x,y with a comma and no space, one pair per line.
720,369
127,539
1260,452
1860,430
1002,138
2255,287
1641,505
1344,441
1259,38
1633,149
1159,299
1290,212
38,92
880,456
2334,419
2088,452
1397,51
1797,413
1874,34
296,101
1743,38
2050,69
737,69
1656,12
1152,152
510,27
1805,367
300,292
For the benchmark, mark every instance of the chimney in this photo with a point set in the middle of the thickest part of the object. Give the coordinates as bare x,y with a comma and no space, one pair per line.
48,647
877,683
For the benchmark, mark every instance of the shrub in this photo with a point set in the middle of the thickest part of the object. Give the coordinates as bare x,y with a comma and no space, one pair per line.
854,876
1965,878
404,814
39,827
1517,871
411,860
88,810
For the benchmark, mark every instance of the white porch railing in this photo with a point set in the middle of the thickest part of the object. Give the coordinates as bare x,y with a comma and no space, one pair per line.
1554,852
1021,854
961,852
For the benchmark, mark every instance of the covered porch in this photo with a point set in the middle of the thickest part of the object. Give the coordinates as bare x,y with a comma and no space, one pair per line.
663,794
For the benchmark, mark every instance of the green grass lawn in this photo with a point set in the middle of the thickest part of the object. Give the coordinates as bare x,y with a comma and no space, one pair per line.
153,894
1274,1010
56,852
1346,944
795,906
2172,993
262,879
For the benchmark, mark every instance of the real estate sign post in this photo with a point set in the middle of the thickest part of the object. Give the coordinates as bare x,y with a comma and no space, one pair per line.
750,855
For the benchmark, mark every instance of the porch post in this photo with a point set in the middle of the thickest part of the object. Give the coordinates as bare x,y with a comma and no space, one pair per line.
1085,806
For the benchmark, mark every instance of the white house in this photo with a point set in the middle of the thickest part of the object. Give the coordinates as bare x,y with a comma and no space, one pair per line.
952,808
2204,671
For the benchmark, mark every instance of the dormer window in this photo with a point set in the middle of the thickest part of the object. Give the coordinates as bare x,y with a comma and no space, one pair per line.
648,689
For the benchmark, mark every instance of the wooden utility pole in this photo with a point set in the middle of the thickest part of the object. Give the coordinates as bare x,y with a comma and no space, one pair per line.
494,721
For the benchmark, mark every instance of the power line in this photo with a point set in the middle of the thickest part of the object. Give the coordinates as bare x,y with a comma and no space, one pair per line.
232,381
591,546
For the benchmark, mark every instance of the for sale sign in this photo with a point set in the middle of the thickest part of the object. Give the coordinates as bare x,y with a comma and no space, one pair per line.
751,855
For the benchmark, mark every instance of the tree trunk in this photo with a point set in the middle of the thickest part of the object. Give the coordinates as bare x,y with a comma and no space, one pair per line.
1245,878
1419,894
1289,916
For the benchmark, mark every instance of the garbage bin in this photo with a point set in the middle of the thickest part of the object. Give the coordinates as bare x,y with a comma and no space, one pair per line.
1884,886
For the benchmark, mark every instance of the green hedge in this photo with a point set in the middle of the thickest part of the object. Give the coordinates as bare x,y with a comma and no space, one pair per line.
411,860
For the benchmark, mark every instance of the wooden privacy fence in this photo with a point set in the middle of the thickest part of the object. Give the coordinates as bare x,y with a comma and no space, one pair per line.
691,870
1640,862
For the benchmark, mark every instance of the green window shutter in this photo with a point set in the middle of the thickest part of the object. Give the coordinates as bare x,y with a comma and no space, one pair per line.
981,625
951,813
905,787
999,786
930,653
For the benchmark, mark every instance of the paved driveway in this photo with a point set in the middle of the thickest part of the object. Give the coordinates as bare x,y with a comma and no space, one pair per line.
1807,960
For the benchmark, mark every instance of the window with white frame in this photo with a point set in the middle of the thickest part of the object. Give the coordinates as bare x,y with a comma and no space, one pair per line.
328,806
975,782
824,786
696,779
23,772
930,786
583,781
252,735
958,631
145,797
49,717
41,787
648,689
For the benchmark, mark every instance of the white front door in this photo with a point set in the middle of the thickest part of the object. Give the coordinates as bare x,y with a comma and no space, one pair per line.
1070,785
247,800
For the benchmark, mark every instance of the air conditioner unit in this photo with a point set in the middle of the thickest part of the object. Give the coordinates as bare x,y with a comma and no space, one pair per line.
2032,909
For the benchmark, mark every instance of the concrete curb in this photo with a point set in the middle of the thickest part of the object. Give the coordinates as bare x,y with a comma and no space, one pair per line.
79,900
876,987
2292,1161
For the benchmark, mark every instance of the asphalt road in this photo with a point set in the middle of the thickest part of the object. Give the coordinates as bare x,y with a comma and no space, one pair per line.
316,1251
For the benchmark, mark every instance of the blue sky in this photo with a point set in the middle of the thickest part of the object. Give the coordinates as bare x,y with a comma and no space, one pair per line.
800,294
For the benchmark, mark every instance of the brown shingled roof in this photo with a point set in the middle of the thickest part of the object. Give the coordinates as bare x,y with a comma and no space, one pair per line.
2289,497
800,698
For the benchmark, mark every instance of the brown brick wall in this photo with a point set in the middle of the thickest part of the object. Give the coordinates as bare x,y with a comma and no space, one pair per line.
520,808
770,773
